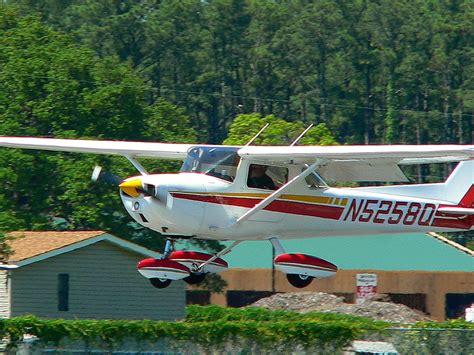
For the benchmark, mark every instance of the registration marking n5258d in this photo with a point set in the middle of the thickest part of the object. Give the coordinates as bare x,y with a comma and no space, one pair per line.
390,212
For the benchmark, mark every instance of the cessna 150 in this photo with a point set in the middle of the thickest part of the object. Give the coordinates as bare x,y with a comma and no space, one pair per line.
249,192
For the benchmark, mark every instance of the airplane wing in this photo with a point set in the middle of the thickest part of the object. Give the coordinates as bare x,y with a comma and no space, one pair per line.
125,148
358,152
363,162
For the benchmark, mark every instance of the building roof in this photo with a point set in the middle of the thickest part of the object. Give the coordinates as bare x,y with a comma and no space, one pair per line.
32,246
28,244
415,251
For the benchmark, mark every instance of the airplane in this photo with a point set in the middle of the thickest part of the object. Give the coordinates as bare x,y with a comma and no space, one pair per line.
241,193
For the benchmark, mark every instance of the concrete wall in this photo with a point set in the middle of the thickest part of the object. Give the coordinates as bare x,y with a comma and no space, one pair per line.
103,284
434,284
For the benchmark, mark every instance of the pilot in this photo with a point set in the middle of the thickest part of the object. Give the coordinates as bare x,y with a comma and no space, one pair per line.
259,179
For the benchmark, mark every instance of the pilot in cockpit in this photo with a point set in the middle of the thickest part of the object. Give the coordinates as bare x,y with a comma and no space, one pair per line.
258,178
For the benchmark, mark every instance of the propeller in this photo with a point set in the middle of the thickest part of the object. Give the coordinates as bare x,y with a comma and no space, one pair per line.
132,187
105,176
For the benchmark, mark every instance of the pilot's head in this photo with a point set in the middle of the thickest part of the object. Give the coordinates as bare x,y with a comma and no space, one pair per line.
257,170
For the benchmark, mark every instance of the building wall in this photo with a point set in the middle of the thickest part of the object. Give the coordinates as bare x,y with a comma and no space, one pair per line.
434,284
103,284
4,297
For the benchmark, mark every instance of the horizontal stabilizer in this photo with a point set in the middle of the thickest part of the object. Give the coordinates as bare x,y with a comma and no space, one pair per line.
456,210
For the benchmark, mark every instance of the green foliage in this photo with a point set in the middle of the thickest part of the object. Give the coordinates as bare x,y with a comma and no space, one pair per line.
49,86
213,313
365,68
449,324
279,131
209,333
212,326
5,249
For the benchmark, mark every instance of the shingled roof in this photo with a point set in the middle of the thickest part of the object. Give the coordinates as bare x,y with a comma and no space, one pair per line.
31,243
32,246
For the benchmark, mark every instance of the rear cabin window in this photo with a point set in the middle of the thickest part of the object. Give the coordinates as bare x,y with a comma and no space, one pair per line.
266,177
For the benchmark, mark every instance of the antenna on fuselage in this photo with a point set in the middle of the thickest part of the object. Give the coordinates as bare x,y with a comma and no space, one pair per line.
301,135
256,136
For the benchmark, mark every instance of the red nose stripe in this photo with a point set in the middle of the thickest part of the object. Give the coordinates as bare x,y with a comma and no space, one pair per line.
305,260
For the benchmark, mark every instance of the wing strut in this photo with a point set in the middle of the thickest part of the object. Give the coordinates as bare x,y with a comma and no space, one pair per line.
258,134
136,164
301,135
269,199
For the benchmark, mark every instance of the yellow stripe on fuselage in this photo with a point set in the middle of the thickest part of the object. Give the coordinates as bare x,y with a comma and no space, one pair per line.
289,197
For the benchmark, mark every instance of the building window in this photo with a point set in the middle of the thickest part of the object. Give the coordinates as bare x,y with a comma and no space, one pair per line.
63,292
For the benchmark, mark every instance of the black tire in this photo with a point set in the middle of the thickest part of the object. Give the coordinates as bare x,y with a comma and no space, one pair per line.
194,278
298,280
160,283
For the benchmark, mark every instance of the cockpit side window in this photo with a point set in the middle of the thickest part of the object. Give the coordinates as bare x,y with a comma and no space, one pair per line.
220,162
266,176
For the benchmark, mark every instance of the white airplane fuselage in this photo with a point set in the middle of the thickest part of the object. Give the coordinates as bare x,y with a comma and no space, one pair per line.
203,206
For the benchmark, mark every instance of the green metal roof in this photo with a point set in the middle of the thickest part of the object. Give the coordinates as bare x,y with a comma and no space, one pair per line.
379,252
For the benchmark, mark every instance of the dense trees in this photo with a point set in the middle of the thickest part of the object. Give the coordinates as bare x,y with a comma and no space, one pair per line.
373,71
278,131
49,86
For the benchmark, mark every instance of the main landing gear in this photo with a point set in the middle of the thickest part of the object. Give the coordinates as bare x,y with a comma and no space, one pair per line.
190,266
193,266
301,269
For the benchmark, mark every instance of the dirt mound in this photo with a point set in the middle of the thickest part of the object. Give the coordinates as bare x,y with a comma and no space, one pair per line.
324,302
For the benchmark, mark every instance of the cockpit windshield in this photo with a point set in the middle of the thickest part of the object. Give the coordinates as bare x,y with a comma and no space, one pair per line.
220,162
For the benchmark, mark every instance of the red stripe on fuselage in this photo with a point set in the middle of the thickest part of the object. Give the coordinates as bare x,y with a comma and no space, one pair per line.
465,223
306,209
291,207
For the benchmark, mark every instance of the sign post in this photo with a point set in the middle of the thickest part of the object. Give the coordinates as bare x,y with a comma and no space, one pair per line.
366,287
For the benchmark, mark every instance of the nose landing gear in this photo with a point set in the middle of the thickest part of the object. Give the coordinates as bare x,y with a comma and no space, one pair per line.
190,266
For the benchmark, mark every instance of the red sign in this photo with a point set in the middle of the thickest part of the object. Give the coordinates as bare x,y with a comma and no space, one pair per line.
366,286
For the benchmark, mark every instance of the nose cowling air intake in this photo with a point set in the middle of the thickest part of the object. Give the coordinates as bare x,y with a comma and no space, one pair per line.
132,187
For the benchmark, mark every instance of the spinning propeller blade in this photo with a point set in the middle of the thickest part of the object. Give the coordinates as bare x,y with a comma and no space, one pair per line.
132,187
105,176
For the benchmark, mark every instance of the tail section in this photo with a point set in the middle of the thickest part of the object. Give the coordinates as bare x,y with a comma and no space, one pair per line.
459,187
468,199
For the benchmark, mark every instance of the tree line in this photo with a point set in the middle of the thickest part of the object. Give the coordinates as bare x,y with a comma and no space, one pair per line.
374,71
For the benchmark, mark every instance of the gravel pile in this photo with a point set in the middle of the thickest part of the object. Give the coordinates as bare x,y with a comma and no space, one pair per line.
325,302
